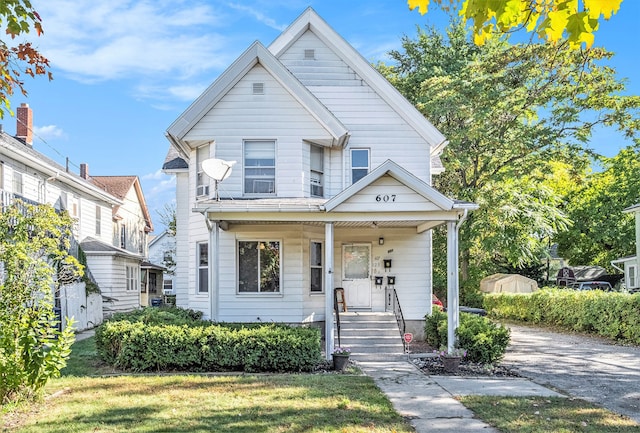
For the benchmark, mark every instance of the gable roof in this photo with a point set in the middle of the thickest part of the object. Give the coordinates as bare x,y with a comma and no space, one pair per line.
255,54
633,208
95,246
120,186
401,175
17,150
310,20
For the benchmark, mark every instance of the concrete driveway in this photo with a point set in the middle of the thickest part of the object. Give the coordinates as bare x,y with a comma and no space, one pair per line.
585,367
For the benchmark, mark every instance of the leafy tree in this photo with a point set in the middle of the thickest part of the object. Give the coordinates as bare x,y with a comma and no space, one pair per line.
551,20
19,17
601,232
509,112
34,243
168,219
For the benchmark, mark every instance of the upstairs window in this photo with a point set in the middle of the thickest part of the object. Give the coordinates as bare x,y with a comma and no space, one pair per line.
317,171
202,180
123,236
359,164
17,182
259,167
98,220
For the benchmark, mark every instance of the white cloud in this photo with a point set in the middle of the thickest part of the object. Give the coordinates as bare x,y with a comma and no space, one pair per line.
259,16
48,132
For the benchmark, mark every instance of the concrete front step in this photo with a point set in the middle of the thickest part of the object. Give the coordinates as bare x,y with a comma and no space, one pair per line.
371,336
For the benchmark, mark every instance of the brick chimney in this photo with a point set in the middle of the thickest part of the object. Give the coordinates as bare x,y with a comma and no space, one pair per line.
84,171
24,129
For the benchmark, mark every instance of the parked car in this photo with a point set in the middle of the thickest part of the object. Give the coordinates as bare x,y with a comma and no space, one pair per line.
592,285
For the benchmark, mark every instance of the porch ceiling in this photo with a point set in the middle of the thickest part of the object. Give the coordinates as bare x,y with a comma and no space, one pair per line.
348,224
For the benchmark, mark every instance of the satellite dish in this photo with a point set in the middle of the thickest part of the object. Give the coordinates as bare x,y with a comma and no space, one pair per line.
218,170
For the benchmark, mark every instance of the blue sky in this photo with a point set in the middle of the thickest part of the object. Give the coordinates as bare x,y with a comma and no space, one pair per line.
125,69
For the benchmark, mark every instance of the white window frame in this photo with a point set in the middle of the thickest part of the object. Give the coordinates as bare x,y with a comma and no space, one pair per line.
259,292
202,268
259,180
316,173
17,183
359,167
98,220
132,277
123,236
202,180
632,275
167,284
316,266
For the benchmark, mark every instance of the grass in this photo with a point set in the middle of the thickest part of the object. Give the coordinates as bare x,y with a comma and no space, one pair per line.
199,403
538,415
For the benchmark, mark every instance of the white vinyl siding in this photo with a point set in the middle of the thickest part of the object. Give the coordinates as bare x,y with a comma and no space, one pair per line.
259,167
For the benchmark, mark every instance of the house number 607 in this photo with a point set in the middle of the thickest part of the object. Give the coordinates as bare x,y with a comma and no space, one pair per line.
386,198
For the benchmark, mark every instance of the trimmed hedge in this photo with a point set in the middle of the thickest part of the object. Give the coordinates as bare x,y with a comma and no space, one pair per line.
484,341
608,314
139,346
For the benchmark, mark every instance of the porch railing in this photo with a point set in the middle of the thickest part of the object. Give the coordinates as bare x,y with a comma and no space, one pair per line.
337,311
393,304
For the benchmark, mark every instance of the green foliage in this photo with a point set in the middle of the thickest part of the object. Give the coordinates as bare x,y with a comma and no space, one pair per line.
34,240
152,341
484,341
165,315
609,314
601,232
511,114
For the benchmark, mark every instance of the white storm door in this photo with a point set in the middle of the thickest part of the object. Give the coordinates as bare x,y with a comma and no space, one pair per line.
356,275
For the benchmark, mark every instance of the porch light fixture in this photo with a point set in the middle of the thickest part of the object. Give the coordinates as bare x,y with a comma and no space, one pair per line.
380,241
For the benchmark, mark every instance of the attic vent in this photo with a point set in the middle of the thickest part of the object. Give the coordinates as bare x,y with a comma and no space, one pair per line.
258,88
309,54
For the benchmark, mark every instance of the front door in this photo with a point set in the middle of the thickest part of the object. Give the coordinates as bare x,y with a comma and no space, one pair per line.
356,275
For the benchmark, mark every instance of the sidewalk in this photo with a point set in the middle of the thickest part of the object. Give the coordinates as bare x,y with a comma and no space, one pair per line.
428,401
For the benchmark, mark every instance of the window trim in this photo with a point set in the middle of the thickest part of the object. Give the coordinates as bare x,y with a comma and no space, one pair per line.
200,267
352,167
244,167
280,291
312,266
632,283
98,220
320,172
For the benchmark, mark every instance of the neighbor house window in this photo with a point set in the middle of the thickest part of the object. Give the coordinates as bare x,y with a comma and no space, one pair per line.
98,220
633,277
132,277
258,266
202,249
167,285
359,164
123,236
141,242
259,167
202,181
317,171
315,255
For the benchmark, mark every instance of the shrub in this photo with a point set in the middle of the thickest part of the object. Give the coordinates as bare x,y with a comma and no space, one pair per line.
204,346
484,341
608,314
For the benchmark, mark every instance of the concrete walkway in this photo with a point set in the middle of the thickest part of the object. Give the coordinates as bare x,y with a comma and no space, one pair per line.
428,401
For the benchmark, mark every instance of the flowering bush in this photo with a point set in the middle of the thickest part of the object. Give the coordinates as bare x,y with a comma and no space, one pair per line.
341,351
457,352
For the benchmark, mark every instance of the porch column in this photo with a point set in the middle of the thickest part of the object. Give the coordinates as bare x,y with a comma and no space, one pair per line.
328,289
213,267
453,300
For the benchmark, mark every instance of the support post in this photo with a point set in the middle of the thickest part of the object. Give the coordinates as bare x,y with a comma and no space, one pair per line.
328,289
213,268
453,299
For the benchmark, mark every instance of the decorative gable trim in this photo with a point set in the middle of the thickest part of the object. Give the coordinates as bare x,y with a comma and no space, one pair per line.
401,175
255,54
310,20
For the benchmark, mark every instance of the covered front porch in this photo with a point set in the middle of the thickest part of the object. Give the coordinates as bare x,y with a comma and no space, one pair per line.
372,238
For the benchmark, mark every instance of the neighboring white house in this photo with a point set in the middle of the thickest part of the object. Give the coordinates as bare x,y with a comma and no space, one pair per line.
32,177
117,263
160,267
332,188
631,264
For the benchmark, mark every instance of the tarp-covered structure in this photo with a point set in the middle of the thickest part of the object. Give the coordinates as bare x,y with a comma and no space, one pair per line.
508,283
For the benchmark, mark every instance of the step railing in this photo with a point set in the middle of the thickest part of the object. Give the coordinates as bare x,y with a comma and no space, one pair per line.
337,312
393,304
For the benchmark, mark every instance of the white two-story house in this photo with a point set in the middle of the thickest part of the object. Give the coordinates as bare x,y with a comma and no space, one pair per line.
631,264
28,175
331,188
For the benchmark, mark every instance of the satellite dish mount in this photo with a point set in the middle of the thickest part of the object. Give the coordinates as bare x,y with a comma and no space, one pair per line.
218,170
